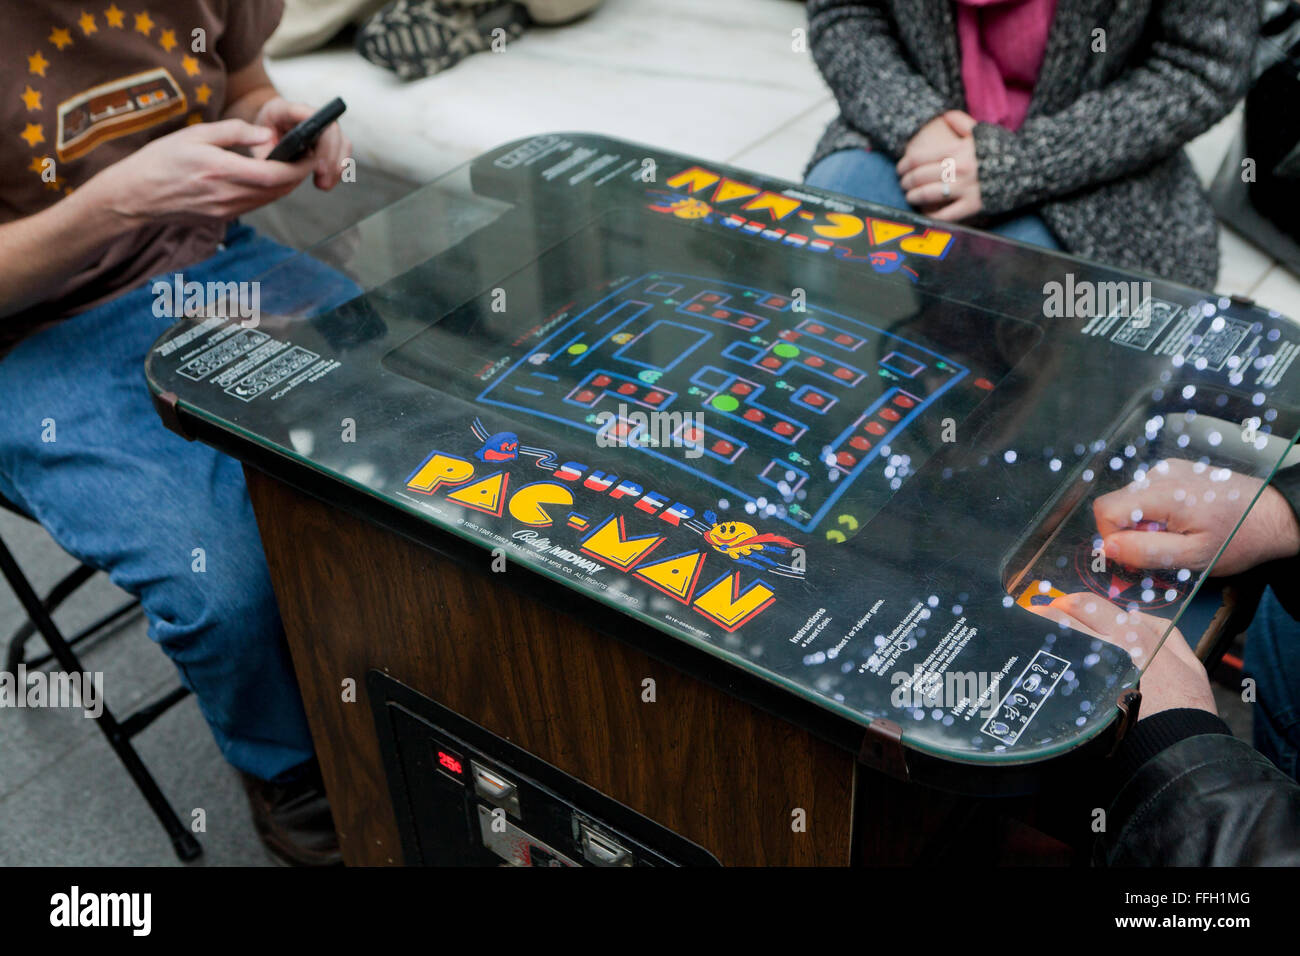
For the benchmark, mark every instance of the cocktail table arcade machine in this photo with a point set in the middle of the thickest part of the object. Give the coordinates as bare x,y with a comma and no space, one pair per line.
625,508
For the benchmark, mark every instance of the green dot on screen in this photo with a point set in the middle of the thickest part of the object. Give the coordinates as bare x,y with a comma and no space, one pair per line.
726,403
577,349
785,350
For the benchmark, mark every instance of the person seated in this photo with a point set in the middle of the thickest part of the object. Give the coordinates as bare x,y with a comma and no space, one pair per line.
1051,122
1183,791
1200,507
110,184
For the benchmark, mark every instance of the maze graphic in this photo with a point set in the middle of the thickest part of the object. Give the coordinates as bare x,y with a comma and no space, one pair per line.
797,402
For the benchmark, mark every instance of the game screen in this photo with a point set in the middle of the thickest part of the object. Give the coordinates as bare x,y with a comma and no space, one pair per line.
786,409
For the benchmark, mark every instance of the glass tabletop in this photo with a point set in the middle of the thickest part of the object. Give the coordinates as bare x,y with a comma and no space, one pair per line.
852,452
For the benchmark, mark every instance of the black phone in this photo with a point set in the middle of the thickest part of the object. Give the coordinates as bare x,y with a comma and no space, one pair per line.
303,137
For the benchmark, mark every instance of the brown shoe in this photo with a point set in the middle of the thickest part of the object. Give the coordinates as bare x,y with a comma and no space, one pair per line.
294,820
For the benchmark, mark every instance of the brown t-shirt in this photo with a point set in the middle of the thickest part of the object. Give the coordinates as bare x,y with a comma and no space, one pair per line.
86,83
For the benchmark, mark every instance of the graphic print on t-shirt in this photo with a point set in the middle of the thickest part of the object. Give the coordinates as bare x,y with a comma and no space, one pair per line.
145,95
116,109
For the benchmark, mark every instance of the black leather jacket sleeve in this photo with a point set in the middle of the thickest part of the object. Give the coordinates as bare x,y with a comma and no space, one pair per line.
1190,794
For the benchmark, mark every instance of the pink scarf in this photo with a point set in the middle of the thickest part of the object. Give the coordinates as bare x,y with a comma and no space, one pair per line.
1002,47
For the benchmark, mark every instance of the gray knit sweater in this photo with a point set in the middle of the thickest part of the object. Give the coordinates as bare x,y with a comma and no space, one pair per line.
1100,155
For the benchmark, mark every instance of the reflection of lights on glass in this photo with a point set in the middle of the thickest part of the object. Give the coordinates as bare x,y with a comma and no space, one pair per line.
1054,464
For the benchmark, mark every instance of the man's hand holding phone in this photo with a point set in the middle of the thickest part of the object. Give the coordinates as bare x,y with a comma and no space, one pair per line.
331,149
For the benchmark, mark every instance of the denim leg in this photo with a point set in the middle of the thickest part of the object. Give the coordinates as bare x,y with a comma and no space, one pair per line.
869,175
1273,660
1029,229
861,173
121,493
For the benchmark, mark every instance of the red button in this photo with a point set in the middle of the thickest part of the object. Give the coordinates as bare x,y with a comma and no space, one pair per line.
654,398
742,388
816,329
845,460
860,443
843,373
600,381
889,415
771,362
586,395
815,398
719,314
790,335
710,297
696,307
723,447
753,415
984,383
744,320
814,361
692,435
844,339
783,428
775,302
875,428
902,401
627,388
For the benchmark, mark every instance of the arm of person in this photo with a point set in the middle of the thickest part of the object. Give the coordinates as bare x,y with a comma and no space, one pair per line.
1182,790
1199,506
1195,70
192,173
879,92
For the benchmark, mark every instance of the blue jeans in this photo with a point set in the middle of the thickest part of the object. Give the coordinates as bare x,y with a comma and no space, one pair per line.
1273,660
121,493
869,175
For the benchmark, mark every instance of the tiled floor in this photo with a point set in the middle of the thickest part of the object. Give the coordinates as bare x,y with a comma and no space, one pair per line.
719,79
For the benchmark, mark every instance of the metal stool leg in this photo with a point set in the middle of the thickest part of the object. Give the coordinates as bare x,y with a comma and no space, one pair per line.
119,737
